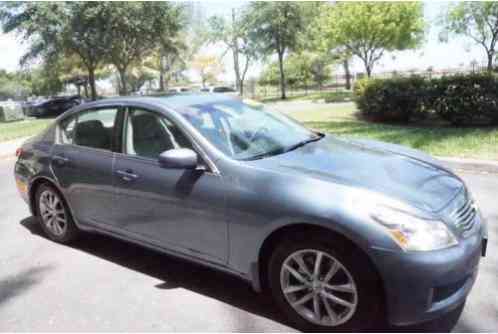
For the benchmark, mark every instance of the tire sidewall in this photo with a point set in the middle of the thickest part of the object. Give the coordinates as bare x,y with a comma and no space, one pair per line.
71,229
370,305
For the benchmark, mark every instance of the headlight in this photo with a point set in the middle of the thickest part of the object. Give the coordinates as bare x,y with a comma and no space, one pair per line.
413,233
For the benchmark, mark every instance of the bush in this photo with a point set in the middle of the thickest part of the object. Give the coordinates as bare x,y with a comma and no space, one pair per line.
10,111
466,99
461,99
391,100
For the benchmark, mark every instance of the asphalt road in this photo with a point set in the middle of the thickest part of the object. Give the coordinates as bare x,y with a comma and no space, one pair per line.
101,284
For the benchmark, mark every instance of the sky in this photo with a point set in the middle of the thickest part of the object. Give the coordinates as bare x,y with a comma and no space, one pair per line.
455,53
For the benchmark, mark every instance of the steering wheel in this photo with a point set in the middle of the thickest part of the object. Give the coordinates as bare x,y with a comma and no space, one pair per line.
258,132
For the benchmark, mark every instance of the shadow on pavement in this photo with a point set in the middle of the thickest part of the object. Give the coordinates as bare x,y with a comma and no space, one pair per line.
16,284
176,273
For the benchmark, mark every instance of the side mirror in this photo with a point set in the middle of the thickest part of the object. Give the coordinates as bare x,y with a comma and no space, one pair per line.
181,158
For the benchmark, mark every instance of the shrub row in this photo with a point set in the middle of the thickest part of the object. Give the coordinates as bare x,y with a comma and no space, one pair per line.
460,99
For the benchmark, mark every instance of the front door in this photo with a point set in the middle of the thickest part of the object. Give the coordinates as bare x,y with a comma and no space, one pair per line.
82,163
182,210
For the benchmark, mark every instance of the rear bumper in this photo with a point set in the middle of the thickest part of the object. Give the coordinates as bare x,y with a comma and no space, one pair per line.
22,182
424,286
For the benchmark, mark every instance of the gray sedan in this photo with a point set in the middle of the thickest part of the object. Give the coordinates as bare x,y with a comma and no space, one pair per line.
340,232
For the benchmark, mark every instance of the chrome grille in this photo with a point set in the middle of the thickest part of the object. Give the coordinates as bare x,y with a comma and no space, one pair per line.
463,216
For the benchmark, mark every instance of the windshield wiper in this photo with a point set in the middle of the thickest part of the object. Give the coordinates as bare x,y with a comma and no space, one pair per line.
304,142
264,155
285,149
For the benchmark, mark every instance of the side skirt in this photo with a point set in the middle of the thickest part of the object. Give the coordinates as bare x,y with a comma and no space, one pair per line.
118,235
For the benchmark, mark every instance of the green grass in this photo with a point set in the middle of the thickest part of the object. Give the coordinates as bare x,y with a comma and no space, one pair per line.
341,120
19,129
311,95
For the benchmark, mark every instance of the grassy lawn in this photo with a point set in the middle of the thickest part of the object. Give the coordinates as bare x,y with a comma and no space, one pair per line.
340,119
19,129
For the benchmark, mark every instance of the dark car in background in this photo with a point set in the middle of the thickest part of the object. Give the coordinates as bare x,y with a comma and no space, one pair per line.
51,107
340,232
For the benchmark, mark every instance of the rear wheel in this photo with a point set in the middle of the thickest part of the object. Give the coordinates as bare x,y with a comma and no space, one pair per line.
324,288
54,216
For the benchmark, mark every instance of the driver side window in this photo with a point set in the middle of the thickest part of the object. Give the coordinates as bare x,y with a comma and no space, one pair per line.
149,134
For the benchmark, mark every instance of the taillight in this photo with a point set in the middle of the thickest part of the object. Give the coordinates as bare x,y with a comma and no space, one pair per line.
19,152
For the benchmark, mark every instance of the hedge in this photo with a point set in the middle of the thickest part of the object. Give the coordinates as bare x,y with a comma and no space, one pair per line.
460,99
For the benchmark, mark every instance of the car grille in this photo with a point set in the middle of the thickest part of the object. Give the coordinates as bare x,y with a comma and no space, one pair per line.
463,214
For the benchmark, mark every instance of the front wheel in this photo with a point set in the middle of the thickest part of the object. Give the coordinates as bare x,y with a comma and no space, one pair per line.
324,288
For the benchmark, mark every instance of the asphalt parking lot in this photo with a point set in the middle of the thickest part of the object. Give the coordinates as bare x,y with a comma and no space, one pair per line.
101,284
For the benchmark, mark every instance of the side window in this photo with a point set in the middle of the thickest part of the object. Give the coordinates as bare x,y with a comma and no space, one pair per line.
95,128
66,132
149,134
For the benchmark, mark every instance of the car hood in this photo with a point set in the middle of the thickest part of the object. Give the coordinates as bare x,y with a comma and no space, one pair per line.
393,170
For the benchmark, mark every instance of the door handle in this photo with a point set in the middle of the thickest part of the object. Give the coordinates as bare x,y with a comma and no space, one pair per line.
127,175
60,160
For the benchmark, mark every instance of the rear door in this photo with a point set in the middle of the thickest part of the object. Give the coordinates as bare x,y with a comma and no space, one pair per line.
82,163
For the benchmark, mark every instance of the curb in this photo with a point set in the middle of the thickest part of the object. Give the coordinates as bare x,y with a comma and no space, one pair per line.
471,165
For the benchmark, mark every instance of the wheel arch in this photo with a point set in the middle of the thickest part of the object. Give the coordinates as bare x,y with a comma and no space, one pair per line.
35,184
260,270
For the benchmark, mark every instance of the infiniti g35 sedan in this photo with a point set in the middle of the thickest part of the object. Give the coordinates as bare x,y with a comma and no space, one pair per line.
339,232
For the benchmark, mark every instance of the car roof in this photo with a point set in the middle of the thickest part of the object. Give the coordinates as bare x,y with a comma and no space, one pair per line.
174,101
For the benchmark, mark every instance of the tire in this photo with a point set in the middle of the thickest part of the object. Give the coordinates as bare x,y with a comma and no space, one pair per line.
353,272
54,216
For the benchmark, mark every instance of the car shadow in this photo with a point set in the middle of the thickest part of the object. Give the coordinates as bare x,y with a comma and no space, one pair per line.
176,273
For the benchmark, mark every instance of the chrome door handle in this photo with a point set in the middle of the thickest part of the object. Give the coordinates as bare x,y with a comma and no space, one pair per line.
127,175
60,160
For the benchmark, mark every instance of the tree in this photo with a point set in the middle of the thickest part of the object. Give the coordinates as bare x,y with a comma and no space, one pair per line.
136,29
235,35
85,36
368,29
59,30
302,69
475,20
274,27
208,67
168,60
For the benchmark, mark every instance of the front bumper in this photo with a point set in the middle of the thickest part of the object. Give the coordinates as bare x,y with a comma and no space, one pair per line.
423,286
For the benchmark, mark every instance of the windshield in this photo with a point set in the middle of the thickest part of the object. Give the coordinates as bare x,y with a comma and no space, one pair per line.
244,132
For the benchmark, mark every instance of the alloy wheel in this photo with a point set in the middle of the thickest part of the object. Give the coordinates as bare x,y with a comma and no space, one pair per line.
52,212
318,287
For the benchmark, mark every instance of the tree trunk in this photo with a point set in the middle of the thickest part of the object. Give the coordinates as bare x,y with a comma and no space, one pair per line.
161,73
85,86
345,63
368,68
235,53
490,61
282,74
161,80
122,78
241,89
91,81
236,69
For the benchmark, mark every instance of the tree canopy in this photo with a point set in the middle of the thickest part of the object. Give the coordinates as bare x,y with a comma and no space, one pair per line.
99,33
477,21
368,29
